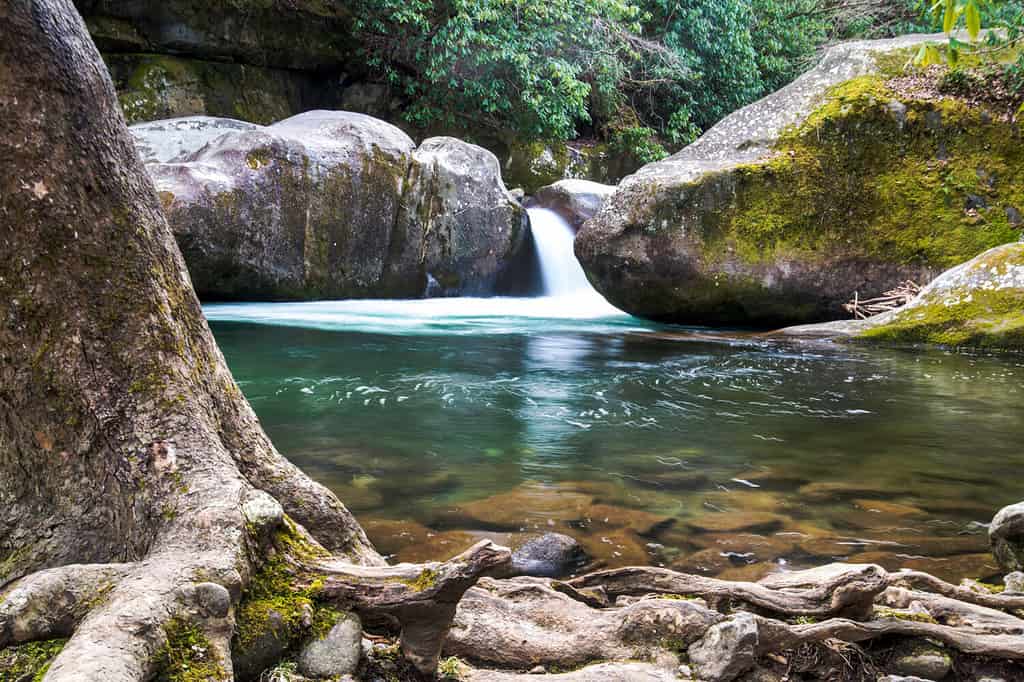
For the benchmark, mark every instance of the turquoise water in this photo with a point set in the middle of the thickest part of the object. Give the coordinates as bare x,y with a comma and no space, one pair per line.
445,420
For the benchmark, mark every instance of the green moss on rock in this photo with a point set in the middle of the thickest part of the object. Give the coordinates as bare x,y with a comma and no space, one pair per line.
870,176
28,662
188,656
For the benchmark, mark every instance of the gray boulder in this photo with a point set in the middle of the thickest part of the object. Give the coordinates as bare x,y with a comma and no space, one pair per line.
1006,535
727,650
921,660
337,653
551,555
330,205
787,207
577,201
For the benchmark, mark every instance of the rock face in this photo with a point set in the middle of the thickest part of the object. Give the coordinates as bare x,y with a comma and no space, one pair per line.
256,61
851,179
979,303
330,205
577,201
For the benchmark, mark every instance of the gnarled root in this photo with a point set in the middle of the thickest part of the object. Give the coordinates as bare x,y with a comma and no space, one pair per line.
421,597
836,589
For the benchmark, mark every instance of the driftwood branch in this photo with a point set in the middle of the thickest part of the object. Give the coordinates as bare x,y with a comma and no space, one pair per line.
890,300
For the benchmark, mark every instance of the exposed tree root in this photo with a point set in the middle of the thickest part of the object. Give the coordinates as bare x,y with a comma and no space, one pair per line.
837,589
421,597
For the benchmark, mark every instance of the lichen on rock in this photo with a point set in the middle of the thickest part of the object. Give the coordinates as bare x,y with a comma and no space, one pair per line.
330,205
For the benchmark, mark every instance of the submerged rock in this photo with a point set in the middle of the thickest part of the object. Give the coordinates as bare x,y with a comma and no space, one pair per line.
844,181
330,205
577,201
979,303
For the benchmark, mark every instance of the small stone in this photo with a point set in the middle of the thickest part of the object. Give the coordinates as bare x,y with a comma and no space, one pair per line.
337,653
550,555
1006,536
262,511
727,650
213,599
538,670
923,661
726,522
1013,583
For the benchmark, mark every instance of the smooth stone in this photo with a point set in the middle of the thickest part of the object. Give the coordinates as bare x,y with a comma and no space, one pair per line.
601,516
550,555
727,650
616,548
213,599
764,547
952,569
529,505
1006,535
823,491
886,508
337,653
922,660
1014,583
577,201
725,522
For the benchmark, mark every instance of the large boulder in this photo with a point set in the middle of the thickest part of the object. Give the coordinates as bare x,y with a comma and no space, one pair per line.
855,177
330,205
979,303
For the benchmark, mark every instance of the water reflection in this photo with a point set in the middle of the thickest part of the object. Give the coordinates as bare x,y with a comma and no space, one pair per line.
651,446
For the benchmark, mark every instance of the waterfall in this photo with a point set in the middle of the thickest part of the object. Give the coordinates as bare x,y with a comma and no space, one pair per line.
560,272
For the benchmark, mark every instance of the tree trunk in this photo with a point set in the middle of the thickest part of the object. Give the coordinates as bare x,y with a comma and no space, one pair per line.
140,499
125,444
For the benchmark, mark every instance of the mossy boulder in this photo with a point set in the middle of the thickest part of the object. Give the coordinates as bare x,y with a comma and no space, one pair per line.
977,304
329,205
848,180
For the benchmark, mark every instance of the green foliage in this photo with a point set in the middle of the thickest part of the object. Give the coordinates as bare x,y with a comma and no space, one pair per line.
524,65
647,72
28,662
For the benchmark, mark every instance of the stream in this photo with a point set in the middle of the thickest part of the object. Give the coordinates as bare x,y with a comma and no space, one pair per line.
441,421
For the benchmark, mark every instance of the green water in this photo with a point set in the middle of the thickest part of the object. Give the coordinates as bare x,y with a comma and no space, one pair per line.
439,422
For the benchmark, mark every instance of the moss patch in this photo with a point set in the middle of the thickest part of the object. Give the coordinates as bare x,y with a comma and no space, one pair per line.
187,656
28,662
275,600
869,177
984,319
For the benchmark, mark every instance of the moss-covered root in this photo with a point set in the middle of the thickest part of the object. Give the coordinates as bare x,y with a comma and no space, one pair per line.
422,597
189,655
49,604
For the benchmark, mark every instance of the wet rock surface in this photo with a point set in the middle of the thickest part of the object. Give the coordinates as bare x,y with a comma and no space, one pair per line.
330,205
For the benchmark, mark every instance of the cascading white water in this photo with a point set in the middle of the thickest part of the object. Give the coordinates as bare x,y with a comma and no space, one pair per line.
560,272
567,296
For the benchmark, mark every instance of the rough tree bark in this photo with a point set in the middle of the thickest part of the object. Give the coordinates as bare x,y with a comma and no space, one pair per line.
139,495
130,464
